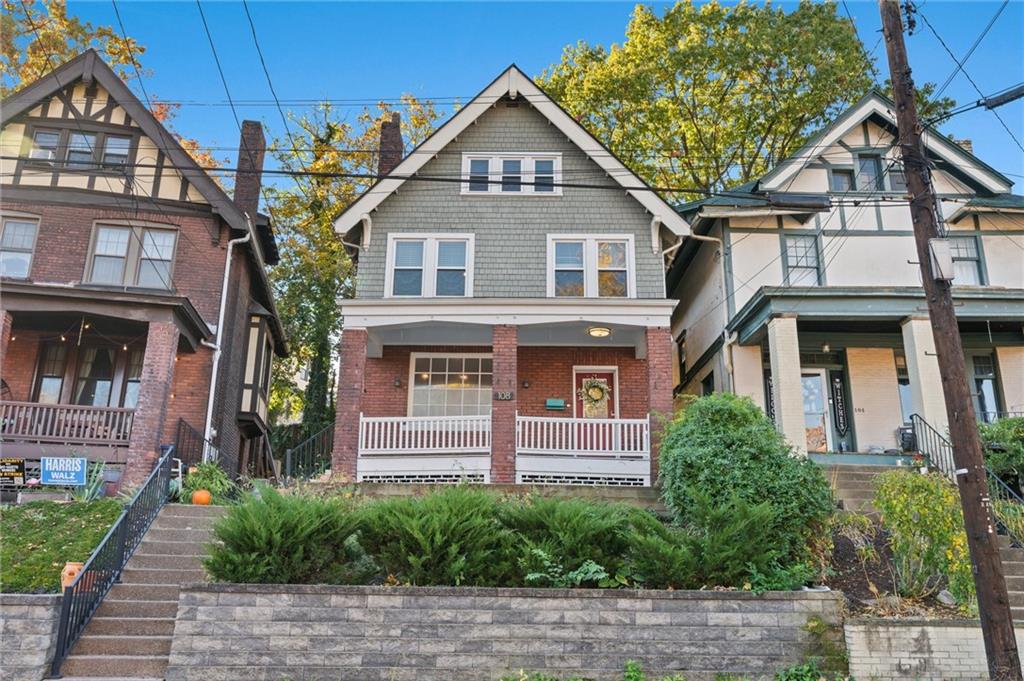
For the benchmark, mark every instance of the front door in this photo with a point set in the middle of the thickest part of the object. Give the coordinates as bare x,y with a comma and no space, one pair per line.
981,369
595,394
816,414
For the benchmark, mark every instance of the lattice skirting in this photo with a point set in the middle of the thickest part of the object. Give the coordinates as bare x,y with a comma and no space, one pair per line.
581,479
431,478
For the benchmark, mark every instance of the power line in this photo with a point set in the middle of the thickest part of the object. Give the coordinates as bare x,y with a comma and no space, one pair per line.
959,66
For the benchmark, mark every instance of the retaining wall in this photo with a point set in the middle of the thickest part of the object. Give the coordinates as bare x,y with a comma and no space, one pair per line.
917,649
229,631
28,635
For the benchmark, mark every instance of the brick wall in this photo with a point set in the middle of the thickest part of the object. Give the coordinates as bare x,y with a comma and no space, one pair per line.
505,355
189,391
921,650
19,365
351,375
5,333
28,628
549,371
154,400
361,633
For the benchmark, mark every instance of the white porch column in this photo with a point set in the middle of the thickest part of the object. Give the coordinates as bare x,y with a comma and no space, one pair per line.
875,396
787,388
1011,375
748,373
926,396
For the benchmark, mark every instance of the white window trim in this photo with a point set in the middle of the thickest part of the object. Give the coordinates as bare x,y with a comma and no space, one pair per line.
413,356
528,159
578,369
15,216
429,262
590,262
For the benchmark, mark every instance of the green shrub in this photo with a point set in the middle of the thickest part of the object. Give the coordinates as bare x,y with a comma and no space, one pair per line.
925,522
447,538
808,671
211,477
281,539
1003,442
723,445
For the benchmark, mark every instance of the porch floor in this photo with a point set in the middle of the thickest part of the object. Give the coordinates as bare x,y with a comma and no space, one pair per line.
861,459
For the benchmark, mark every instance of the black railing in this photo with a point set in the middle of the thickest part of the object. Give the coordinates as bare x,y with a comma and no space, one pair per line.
311,457
103,569
993,416
1007,505
191,447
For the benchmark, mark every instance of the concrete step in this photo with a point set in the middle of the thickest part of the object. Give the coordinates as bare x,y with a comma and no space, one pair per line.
1008,555
92,644
1013,582
136,626
1018,613
190,510
157,576
175,522
156,547
143,592
142,559
860,468
187,536
133,609
1016,599
128,666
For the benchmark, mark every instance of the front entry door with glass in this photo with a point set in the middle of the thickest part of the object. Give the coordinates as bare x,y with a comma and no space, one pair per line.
816,410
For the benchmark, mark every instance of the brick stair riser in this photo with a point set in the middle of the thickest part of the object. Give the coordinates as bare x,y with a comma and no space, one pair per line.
107,666
121,626
123,645
165,562
126,591
156,576
130,609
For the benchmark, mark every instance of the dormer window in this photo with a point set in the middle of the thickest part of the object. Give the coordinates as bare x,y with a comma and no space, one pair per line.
44,145
82,150
526,174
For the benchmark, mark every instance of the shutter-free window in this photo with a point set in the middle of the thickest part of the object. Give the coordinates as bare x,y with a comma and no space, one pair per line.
511,175
45,144
869,172
95,377
133,378
451,268
155,259
429,265
51,373
115,150
897,179
81,147
966,261
544,175
802,260
408,276
842,180
590,266
479,175
111,255
569,271
521,174
612,275
458,385
17,242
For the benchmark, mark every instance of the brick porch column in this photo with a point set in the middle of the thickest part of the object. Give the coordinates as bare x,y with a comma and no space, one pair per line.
787,385
351,375
154,398
6,321
926,396
659,387
504,349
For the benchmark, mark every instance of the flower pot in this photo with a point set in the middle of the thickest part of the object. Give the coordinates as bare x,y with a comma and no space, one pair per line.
202,497
68,574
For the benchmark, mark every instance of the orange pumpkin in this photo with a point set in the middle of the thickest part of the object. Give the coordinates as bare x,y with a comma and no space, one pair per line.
202,497
68,574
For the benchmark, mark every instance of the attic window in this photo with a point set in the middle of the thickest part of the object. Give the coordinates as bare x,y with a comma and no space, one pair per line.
512,174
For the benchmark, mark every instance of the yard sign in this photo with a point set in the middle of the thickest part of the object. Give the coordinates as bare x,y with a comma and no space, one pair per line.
64,472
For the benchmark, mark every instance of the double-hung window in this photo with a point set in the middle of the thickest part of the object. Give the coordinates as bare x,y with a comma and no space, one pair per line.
429,265
591,266
82,149
842,180
523,174
803,265
17,242
45,144
124,255
869,172
966,261
115,150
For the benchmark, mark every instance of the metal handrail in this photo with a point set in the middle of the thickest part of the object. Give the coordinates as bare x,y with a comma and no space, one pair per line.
939,452
311,457
191,446
85,594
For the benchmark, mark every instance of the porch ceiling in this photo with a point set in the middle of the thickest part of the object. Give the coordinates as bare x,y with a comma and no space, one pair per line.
874,306
21,299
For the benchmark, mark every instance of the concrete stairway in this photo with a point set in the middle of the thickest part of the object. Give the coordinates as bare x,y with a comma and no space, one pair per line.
1013,569
853,484
130,635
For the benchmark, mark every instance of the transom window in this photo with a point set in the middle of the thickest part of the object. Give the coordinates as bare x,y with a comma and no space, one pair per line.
501,173
17,243
450,385
803,266
81,150
966,261
132,256
591,266
429,265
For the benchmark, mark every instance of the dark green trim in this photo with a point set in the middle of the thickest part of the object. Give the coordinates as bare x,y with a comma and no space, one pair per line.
701,362
730,284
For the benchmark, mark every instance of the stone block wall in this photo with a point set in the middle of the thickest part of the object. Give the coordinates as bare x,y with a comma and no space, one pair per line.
230,631
28,631
922,650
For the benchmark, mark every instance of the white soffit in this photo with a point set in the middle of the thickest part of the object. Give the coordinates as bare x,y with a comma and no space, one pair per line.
513,82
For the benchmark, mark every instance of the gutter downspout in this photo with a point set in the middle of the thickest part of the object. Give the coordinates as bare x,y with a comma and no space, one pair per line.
216,345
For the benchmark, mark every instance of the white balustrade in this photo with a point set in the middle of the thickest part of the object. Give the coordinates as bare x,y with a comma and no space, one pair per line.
620,438
424,434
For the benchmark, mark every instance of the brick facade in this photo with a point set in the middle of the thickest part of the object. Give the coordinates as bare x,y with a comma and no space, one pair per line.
351,377
659,386
5,333
154,400
504,352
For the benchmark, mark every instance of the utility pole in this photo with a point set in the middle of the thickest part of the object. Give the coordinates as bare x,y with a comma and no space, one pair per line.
993,603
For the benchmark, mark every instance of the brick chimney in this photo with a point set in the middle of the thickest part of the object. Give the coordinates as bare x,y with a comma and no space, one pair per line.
966,145
391,146
248,179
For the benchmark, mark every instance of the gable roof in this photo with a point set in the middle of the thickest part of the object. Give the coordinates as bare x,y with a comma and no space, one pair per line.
89,67
877,105
513,83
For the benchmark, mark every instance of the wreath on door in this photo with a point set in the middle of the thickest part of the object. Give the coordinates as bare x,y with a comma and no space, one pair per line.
594,392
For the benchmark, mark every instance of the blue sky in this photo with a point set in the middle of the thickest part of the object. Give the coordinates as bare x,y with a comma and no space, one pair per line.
379,50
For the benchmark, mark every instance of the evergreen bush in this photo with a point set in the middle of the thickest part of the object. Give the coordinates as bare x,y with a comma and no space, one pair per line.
724,445
1003,443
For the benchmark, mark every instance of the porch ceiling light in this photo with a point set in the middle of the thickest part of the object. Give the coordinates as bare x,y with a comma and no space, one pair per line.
599,331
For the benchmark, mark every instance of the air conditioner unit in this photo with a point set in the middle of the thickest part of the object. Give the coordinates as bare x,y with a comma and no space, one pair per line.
42,154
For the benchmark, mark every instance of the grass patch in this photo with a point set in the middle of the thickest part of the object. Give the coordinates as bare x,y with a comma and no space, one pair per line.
36,539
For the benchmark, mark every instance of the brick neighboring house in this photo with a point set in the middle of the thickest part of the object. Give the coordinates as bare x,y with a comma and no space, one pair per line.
114,248
507,326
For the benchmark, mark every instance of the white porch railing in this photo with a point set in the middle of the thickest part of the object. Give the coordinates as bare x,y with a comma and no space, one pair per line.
65,423
616,438
424,434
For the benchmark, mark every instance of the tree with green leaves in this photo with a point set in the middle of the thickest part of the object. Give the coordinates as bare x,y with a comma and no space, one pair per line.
708,96
337,161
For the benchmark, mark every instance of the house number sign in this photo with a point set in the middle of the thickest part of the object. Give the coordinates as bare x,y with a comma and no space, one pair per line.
503,395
